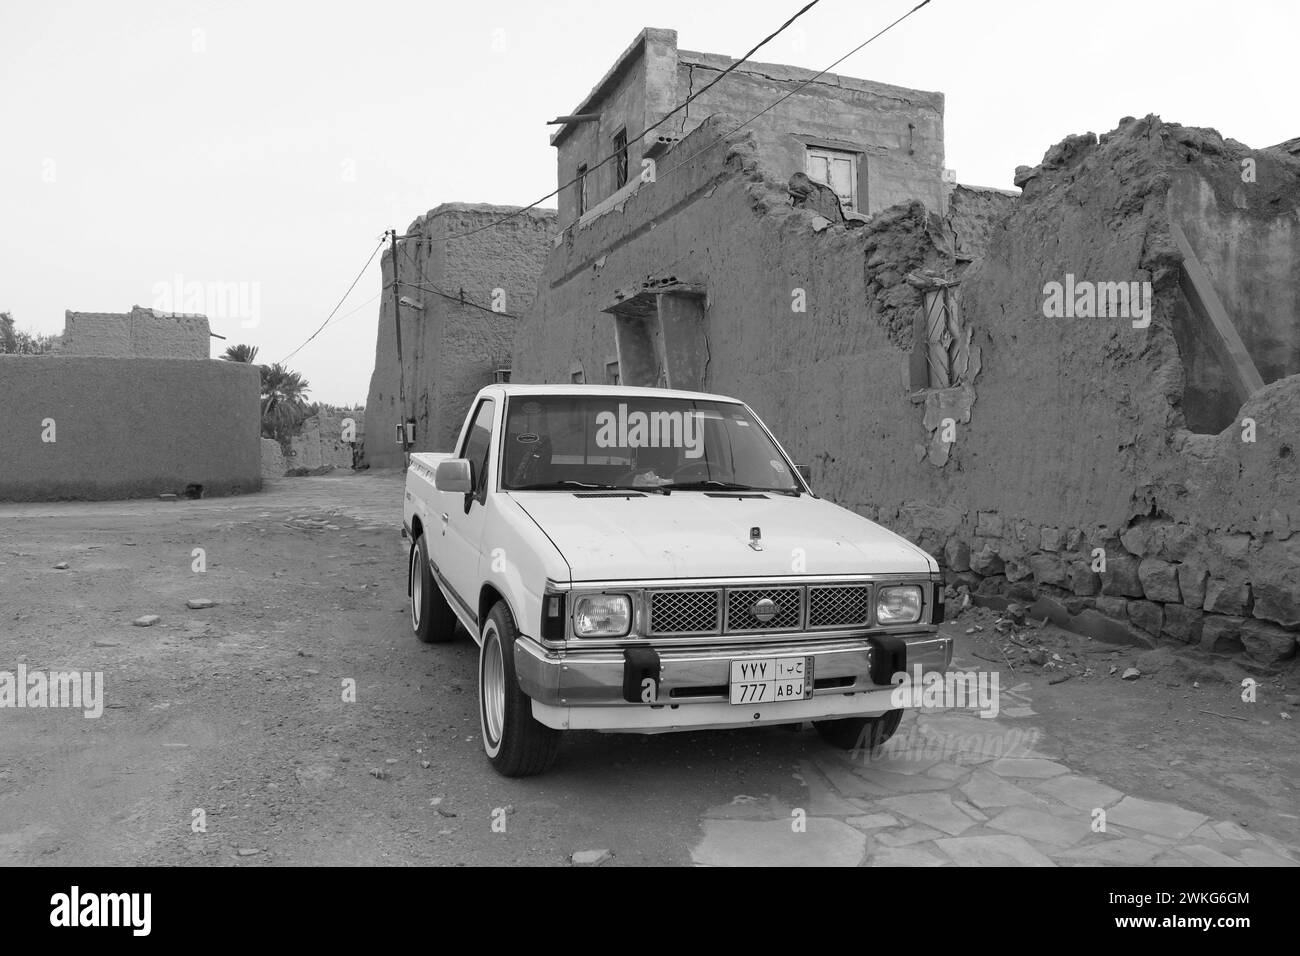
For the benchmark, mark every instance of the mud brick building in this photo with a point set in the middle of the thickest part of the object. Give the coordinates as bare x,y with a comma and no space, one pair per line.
909,359
461,302
140,333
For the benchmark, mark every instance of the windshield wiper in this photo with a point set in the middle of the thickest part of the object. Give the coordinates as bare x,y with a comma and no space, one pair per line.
713,483
586,486
566,483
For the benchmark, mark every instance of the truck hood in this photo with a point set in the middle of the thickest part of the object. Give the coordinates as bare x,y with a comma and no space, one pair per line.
689,534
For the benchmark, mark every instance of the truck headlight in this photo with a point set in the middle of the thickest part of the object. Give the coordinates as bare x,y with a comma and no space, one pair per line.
602,615
898,605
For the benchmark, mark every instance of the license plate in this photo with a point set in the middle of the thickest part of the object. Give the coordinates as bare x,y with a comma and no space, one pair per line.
768,680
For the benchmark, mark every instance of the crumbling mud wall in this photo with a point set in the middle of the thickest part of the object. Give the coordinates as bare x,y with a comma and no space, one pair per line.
332,438
91,428
468,294
976,214
1232,204
1196,530
1067,469
273,465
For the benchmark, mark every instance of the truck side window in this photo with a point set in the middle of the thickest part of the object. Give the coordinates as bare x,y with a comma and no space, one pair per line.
477,445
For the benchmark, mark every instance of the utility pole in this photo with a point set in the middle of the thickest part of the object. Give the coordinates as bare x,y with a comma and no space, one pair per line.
401,371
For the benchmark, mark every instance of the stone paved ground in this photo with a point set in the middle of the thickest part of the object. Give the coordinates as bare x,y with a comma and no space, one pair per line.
955,789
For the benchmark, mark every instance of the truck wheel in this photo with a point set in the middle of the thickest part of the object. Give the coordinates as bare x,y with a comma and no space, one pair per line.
432,618
859,733
515,743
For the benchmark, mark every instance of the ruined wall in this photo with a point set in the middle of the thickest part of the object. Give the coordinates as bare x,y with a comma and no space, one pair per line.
273,465
321,443
977,213
1250,245
1069,432
127,428
1196,530
451,347
140,333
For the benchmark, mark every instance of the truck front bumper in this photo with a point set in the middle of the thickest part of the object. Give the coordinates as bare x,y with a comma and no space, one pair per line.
573,689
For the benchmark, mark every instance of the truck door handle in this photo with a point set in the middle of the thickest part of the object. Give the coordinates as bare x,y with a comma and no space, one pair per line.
445,517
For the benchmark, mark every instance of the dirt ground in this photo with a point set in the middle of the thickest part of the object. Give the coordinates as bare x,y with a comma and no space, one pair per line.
226,738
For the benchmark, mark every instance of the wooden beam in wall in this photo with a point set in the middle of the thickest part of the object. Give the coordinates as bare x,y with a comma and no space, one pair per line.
1205,302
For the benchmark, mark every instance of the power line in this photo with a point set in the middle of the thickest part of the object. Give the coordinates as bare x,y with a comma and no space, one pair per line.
676,109
430,287
351,312
434,289
339,305
458,299
785,96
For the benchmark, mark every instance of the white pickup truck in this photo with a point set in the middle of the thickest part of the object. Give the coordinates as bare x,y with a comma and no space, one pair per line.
647,560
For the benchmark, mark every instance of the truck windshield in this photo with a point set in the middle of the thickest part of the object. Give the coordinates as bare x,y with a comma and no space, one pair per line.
577,442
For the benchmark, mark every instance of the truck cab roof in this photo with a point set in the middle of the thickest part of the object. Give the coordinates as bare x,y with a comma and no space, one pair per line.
624,391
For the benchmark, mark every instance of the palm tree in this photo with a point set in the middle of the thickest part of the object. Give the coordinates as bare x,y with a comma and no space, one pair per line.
8,340
240,353
283,401
14,341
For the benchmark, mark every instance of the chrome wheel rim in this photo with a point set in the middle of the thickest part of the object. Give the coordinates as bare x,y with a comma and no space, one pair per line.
494,686
417,587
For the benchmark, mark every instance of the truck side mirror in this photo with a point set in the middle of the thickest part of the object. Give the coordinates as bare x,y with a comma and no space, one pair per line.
805,472
453,476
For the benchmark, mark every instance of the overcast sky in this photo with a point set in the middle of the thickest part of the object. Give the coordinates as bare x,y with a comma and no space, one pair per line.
145,146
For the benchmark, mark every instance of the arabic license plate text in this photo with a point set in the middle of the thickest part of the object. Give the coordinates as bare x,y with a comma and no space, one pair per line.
767,680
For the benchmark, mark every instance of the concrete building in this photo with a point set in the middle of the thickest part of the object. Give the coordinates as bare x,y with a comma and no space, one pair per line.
875,144
461,300
915,362
140,333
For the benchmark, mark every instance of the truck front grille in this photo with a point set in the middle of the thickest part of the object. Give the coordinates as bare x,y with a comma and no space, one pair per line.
684,612
742,602
839,605
813,606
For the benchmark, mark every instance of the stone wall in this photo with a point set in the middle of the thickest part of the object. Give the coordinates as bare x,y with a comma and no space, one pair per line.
89,428
140,333
1075,426
472,292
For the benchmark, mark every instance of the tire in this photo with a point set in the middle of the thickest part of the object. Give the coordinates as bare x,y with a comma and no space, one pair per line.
859,733
432,618
516,744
